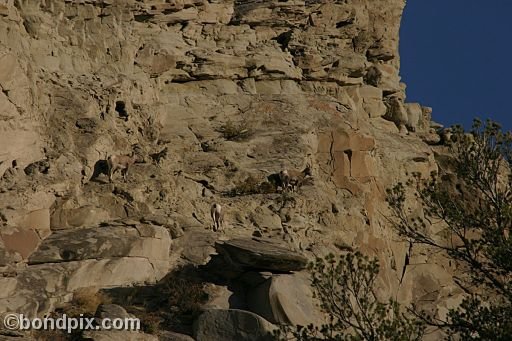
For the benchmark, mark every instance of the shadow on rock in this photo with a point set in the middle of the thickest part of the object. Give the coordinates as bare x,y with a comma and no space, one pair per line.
100,167
171,304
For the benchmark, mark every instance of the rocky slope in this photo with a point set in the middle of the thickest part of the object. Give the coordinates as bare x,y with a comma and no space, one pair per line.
215,97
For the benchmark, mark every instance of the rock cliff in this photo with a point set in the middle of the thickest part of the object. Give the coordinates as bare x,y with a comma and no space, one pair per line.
215,97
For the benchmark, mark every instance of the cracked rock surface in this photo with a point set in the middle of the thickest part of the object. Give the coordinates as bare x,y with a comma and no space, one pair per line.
215,98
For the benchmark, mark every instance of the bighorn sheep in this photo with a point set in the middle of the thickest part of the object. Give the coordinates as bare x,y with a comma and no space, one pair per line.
446,136
120,162
293,179
285,179
217,216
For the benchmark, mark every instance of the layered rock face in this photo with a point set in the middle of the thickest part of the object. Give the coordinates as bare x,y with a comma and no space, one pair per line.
207,94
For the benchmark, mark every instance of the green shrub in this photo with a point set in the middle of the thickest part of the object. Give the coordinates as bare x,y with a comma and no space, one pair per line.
345,287
474,207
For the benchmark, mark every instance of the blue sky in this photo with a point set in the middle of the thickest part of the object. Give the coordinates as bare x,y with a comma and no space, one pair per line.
456,58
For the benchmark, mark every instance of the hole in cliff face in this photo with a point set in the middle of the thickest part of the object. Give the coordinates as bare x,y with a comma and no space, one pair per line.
143,17
68,255
344,23
121,110
334,209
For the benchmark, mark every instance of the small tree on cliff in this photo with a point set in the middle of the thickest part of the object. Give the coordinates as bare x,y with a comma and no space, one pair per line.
475,209
345,287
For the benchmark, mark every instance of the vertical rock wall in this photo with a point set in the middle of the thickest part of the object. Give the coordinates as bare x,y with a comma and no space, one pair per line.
304,81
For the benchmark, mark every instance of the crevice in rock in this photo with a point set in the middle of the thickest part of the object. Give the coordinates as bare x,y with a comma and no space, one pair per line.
143,17
406,262
197,136
349,156
331,152
343,23
205,183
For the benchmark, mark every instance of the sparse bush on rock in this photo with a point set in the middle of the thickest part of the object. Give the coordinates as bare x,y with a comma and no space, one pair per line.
85,301
345,287
474,210
236,131
251,185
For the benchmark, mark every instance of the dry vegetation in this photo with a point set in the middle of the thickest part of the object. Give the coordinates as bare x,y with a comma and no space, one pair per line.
173,304
251,185
85,301
236,131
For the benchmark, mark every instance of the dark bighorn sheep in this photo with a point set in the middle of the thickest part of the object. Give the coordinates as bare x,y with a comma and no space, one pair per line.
293,179
120,162
217,215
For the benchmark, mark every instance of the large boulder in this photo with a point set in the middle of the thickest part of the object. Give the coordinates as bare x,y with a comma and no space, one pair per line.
111,311
232,325
117,335
101,257
259,253
196,246
285,299
172,336
147,241
40,288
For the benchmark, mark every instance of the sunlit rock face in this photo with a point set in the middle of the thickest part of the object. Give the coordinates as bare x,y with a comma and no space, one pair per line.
298,82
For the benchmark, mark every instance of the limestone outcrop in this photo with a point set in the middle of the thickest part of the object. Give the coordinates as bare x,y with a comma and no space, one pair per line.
215,98
261,254
217,325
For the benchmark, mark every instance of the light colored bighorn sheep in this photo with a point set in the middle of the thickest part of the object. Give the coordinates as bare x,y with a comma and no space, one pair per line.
120,162
446,136
293,179
470,138
217,215
285,179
